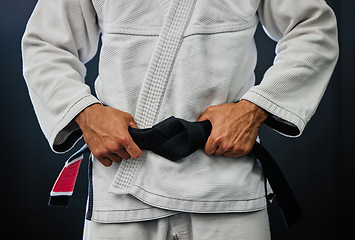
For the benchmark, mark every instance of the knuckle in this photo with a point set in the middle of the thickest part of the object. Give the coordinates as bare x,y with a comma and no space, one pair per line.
248,149
244,152
241,150
216,139
237,149
105,150
122,141
227,146
98,153
112,147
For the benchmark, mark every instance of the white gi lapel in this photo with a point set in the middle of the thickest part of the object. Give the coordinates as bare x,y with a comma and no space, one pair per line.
162,61
155,82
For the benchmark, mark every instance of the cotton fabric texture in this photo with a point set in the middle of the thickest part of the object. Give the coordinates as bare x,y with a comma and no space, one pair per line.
165,58
186,226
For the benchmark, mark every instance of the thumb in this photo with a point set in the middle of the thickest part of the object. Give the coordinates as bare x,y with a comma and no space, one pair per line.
130,121
133,124
203,117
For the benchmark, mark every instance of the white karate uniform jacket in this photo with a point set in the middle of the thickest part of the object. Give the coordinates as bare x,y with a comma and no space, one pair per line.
175,57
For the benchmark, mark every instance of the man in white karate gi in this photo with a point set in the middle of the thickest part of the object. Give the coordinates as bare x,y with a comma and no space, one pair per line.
192,59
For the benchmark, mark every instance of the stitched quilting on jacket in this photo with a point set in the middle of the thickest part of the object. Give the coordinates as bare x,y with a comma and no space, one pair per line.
163,58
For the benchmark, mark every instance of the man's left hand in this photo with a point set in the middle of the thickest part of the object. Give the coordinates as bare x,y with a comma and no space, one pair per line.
235,128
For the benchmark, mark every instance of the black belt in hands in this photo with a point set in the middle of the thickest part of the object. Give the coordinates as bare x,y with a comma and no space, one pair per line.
173,139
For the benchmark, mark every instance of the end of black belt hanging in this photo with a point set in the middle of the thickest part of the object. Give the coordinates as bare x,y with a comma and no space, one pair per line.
292,213
58,201
288,203
64,185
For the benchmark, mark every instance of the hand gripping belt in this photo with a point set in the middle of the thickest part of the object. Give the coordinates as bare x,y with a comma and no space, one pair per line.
173,139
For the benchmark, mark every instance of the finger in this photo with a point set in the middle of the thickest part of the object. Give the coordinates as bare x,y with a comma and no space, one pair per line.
237,155
229,153
203,117
210,147
123,153
114,157
132,149
207,114
242,152
220,151
133,124
223,144
105,161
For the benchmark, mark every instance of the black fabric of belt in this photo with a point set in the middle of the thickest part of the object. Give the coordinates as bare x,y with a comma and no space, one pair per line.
175,138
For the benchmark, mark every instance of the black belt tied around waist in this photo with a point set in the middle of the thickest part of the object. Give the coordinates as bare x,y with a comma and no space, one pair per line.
175,138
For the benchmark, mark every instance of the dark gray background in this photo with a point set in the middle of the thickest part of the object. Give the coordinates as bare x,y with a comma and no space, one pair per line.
319,164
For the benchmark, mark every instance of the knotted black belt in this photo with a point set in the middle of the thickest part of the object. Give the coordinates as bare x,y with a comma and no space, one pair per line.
173,139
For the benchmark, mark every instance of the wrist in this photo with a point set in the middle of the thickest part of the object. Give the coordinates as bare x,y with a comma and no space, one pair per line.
260,115
82,117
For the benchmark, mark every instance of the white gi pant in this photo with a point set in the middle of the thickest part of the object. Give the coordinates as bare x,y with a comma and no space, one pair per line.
240,226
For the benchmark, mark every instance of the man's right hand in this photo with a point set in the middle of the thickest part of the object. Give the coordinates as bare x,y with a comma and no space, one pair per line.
105,132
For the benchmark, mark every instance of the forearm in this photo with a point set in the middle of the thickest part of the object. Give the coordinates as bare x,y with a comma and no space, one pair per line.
55,48
306,55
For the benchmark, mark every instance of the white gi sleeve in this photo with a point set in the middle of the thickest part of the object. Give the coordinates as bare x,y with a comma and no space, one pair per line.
306,54
60,37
